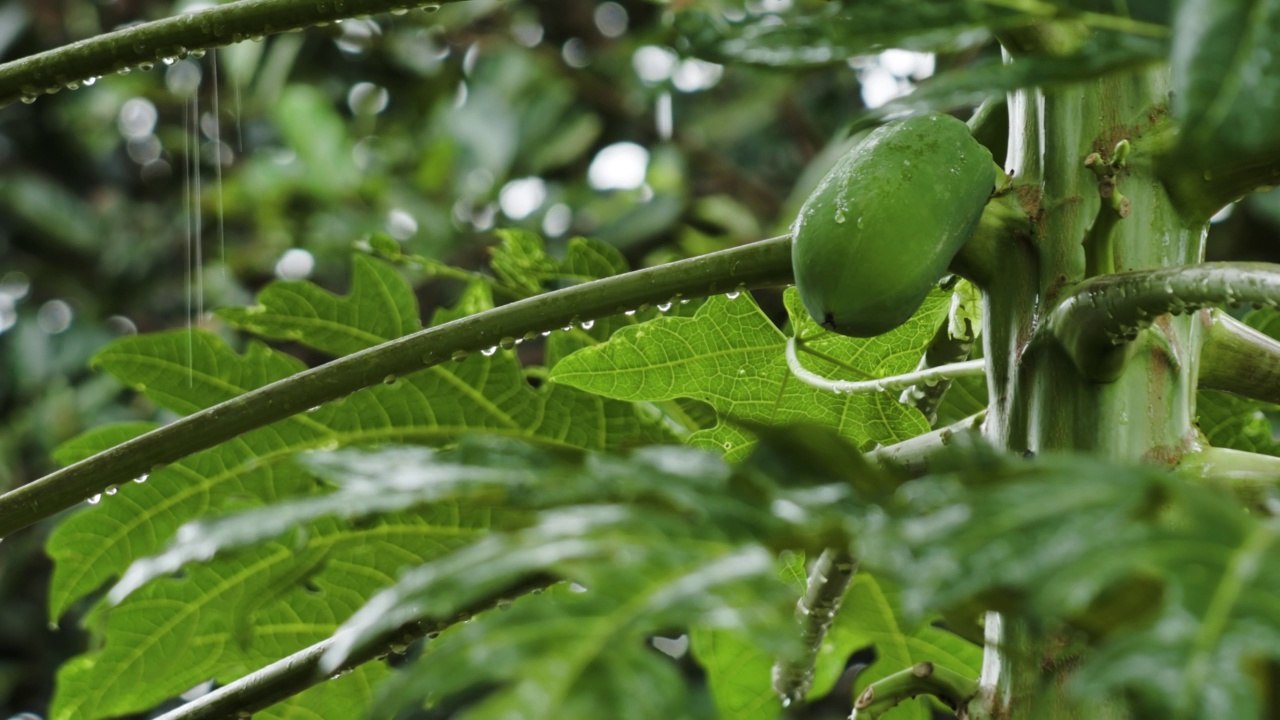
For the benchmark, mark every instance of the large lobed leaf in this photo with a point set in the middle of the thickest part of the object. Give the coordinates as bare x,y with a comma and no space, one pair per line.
660,539
244,610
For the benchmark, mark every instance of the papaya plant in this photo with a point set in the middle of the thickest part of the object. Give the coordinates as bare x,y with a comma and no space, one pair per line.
1007,454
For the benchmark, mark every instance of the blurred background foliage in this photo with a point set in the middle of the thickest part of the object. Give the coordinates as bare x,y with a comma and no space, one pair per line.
565,117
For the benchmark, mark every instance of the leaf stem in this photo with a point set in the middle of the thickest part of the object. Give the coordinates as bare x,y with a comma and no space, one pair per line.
291,675
923,678
816,610
1253,478
913,454
944,349
893,382
1237,359
137,46
761,264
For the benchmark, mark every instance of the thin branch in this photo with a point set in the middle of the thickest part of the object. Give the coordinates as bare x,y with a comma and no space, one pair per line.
1097,323
893,382
924,678
760,264
141,46
1237,359
828,581
291,675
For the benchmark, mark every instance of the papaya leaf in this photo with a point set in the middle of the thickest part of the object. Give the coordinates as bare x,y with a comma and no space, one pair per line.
521,262
1103,53
663,539
1158,572
872,616
376,310
738,674
1226,87
731,356
640,568
831,34
246,609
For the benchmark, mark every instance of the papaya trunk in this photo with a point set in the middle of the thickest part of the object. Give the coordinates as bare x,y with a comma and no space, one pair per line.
1039,401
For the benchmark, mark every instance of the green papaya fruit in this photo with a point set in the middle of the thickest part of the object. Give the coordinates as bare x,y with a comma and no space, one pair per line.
884,224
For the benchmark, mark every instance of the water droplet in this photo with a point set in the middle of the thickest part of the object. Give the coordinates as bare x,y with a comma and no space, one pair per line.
73,85
400,11
733,295
430,8
95,499
89,81
588,324
145,66
840,217
859,222
569,327
390,379
531,335
663,307
28,99
142,478
489,351
459,355
169,60
197,54
546,333
507,343
629,313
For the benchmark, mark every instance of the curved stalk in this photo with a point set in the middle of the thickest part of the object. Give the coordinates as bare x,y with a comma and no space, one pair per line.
1098,322
816,610
1237,359
291,675
893,382
760,264
923,678
141,45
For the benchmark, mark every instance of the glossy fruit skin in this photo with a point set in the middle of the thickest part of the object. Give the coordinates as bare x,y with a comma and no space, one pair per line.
884,224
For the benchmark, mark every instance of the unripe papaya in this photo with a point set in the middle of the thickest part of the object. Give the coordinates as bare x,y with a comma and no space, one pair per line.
884,224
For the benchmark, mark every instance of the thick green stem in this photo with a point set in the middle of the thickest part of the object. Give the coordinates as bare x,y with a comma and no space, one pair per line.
829,579
761,264
1039,399
1239,360
291,675
143,45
